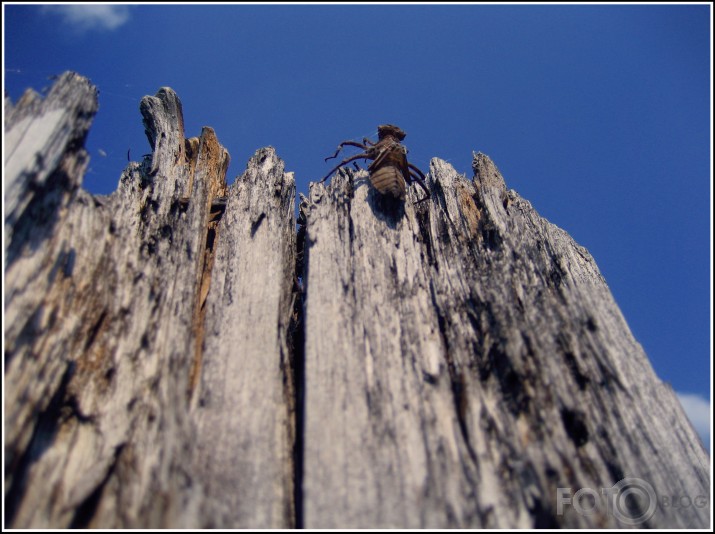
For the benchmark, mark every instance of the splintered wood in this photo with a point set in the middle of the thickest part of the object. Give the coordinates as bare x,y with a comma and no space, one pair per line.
177,355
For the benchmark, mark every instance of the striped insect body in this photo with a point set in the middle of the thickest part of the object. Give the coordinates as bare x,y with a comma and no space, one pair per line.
390,172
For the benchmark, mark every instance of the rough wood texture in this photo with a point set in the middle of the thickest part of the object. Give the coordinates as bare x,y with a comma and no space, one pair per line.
177,355
245,404
465,360
104,326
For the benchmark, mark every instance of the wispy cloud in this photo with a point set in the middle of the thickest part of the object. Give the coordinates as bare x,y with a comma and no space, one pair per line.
698,411
83,17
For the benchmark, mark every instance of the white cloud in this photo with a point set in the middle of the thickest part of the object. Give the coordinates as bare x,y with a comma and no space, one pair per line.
698,411
85,17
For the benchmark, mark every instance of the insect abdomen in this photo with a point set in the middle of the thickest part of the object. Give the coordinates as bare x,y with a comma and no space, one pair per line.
388,180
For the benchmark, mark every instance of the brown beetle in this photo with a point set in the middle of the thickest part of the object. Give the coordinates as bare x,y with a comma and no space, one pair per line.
389,171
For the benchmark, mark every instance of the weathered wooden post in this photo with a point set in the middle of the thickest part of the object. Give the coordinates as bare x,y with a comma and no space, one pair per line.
136,397
464,360
177,355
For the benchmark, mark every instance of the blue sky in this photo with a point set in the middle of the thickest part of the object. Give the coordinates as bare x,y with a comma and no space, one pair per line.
598,115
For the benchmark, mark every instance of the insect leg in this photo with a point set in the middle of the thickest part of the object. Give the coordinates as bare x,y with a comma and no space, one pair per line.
420,181
341,145
362,155
417,171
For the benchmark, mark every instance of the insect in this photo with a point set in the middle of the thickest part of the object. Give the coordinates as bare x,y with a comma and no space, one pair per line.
390,172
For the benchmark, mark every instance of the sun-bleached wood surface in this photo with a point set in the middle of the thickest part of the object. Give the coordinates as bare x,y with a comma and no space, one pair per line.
179,355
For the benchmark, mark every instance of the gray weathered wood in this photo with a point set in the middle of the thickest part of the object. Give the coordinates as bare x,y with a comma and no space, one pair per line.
464,360
104,326
245,405
177,355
